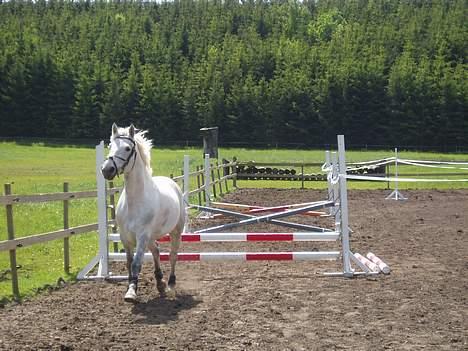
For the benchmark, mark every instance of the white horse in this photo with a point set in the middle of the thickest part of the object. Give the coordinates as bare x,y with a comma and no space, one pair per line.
149,207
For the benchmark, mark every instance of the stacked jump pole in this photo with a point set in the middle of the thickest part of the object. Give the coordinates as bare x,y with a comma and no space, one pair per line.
336,201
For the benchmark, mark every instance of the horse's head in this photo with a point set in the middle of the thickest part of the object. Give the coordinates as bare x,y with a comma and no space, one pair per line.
122,150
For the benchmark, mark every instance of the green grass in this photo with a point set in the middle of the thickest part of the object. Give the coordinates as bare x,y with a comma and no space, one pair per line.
39,168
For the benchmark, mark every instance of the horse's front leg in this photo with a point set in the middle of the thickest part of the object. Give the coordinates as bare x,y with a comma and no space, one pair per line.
175,244
158,274
135,268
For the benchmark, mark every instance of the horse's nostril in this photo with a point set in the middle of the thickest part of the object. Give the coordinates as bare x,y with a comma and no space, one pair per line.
112,169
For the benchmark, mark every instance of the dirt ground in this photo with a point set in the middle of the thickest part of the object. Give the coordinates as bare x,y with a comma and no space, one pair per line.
421,305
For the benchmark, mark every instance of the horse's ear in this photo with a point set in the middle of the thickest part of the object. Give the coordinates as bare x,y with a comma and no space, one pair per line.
115,129
131,131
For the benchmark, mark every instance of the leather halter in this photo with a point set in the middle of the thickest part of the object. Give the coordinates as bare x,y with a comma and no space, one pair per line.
126,161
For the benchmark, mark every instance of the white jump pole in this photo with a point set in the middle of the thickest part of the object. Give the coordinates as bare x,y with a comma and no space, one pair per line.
186,191
103,269
329,185
335,187
239,256
347,270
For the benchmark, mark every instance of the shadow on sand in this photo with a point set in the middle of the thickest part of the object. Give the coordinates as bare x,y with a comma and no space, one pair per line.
162,310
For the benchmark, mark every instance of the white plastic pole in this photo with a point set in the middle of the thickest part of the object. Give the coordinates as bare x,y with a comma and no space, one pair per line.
347,271
382,265
103,270
329,185
207,179
335,187
186,190
371,265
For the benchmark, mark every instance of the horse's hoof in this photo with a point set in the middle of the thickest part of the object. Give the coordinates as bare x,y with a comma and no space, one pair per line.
130,298
131,295
172,282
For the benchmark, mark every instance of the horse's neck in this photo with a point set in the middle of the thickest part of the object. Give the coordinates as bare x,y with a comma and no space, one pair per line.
137,182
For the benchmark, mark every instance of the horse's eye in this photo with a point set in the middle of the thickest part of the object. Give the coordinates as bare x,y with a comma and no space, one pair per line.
127,148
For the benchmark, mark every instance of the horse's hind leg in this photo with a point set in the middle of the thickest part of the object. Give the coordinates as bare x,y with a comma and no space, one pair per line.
158,274
129,254
131,294
175,244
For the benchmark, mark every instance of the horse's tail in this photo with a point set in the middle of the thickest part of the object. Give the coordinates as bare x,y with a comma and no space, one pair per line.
183,212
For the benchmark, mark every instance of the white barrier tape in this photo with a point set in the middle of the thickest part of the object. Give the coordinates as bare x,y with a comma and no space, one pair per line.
398,179
382,265
437,162
411,163
376,165
389,159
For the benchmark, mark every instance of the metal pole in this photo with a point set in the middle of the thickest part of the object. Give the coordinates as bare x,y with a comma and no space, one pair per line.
347,271
11,236
396,173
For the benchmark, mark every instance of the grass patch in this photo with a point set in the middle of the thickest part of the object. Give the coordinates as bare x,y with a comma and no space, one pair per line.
39,168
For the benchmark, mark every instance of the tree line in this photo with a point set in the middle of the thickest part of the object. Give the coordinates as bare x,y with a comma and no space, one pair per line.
280,71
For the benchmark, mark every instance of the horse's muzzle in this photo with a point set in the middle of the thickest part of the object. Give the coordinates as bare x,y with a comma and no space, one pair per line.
108,170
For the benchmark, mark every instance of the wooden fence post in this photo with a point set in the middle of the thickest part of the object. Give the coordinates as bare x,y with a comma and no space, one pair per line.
219,179
302,176
11,236
213,179
234,172
112,210
225,173
202,175
66,225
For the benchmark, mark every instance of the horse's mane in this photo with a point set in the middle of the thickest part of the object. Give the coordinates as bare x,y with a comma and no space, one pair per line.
144,146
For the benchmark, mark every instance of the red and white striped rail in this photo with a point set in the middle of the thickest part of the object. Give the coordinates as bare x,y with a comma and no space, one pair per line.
244,237
239,256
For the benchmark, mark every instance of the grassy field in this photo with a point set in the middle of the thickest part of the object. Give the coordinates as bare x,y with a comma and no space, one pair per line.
39,168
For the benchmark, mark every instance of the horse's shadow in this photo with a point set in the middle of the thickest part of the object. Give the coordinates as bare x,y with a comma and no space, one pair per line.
162,310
